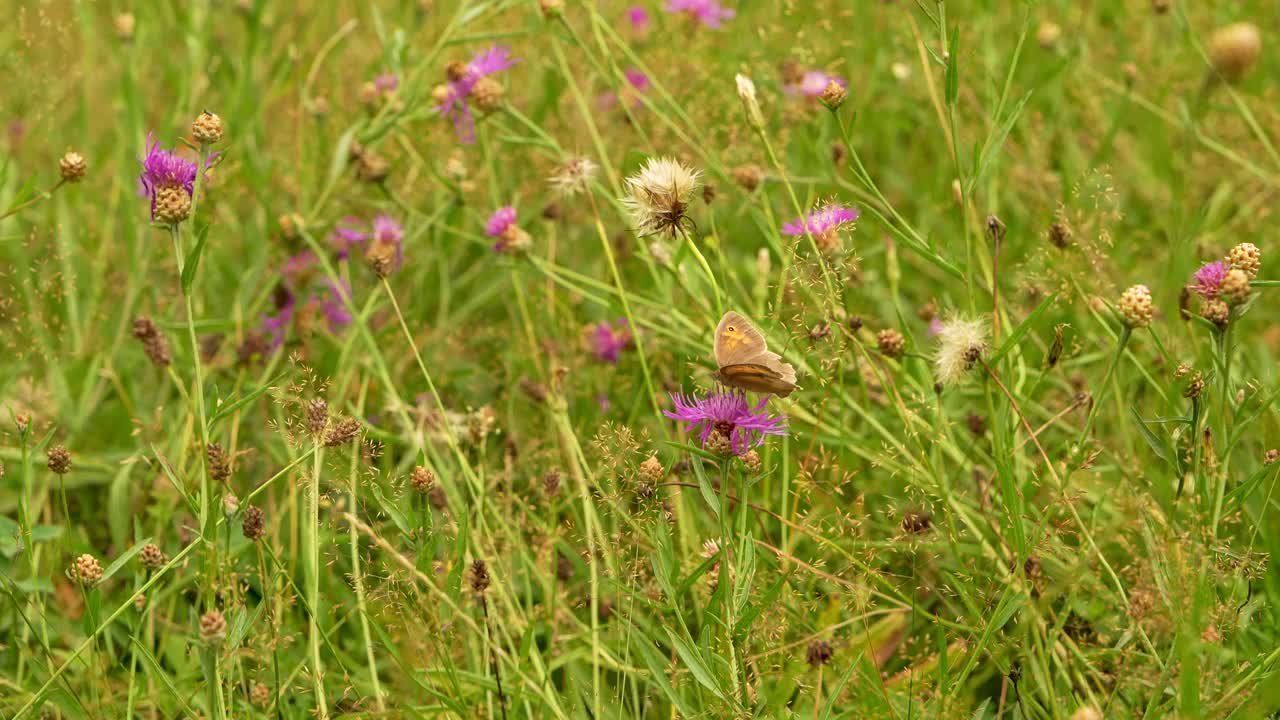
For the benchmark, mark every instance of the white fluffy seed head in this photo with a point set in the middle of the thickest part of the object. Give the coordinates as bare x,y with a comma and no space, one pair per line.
574,176
658,196
961,343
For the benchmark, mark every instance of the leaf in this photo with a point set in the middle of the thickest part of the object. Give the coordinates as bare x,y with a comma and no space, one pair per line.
125,557
658,671
693,660
155,671
193,258
338,162
45,533
708,490
1157,445
746,573
177,484
226,409
953,67
118,510
1023,328
391,510
748,618
833,699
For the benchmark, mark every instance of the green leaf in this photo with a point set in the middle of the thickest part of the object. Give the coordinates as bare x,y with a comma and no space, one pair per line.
693,660
833,700
193,258
1157,445
156,671
953,68
746,573
1023,328
708,490
392,511
118,510
659,672
125,557
225,409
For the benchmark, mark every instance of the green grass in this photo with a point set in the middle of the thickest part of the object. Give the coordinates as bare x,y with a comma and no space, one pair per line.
1034,540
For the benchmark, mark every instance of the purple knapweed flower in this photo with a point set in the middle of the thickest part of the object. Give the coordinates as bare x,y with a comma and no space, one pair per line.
638,17
274,326
608,340
814,82
297,265
386,82
499,221
455,106
1209,279
387,231
729,414
709,12
346,234
334,302
164,169
825,219
637,85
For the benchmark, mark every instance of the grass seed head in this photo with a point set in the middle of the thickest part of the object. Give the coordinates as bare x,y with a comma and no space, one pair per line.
59,459
72,167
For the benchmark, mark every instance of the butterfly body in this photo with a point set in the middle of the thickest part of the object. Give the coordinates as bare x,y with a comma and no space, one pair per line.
745,362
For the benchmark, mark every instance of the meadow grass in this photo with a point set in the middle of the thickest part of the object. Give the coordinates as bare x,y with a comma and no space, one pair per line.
306,424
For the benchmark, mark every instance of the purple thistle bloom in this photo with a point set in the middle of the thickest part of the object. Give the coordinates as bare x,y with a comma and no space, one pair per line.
499,221
387,231
455,107
730,414
709,12
638,17
609,340
276,325
815,82
639,84
824,219
386,82
1209,279
347,233
334,305
935,327
637,79
298,264
163,169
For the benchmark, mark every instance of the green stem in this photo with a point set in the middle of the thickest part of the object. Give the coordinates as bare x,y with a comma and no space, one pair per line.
1106,383
313,580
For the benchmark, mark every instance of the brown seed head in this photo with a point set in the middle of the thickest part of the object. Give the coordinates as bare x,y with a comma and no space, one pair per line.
1195,387
219,462
651,469
260,695
1234,49
479,577
892,344
1247,257
422,479
1136,307
254,524
381,257
719,443
153,341
125,23
487,94
22,421
213,627
1271,456
916,521
59,460
1235,286
207,128
342,433
317,416
152,557
72,167
751,460
1048,34
551,482
86,570
1216,311
173,204
818,653
455,70
834,95
1060,234
372,167
748,177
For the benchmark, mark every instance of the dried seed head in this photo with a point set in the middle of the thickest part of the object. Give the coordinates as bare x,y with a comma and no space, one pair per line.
213,627
551,8
173,204
72,167
1181,371
422,479
254,524
1235,286
455,71
125,24
750,102
855,323
651,470
437,497
479,577
381,257
1048,34
219,462
260,695
1216,311
977,424
1055,350
1136,307
1247,257
230,505
1271,456
86,570
487,94
152,557
719,443
751,460
658,195
342,433
834,95
1195,387
818,653
916,522
551,482
372,167
140,602
59,460
317,416
153,341
1160,7
891,343
748,177
1060,234
207,128
995,229
1234,50
23,422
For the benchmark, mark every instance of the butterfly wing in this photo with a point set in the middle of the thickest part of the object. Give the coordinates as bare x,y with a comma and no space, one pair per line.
745,361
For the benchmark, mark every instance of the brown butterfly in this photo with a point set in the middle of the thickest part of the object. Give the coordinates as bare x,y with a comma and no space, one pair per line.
746,363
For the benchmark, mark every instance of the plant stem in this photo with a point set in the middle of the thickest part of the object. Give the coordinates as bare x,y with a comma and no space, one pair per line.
1106,383
313,580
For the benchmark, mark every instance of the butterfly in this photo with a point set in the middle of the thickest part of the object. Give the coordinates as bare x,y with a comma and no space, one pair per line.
746,363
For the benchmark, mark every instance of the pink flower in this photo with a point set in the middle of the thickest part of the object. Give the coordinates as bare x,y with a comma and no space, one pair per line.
639,85
824,219
730,414
387,82
638,17
1209,279
815,82
455,107
608,340
709,12
499,221
346,233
